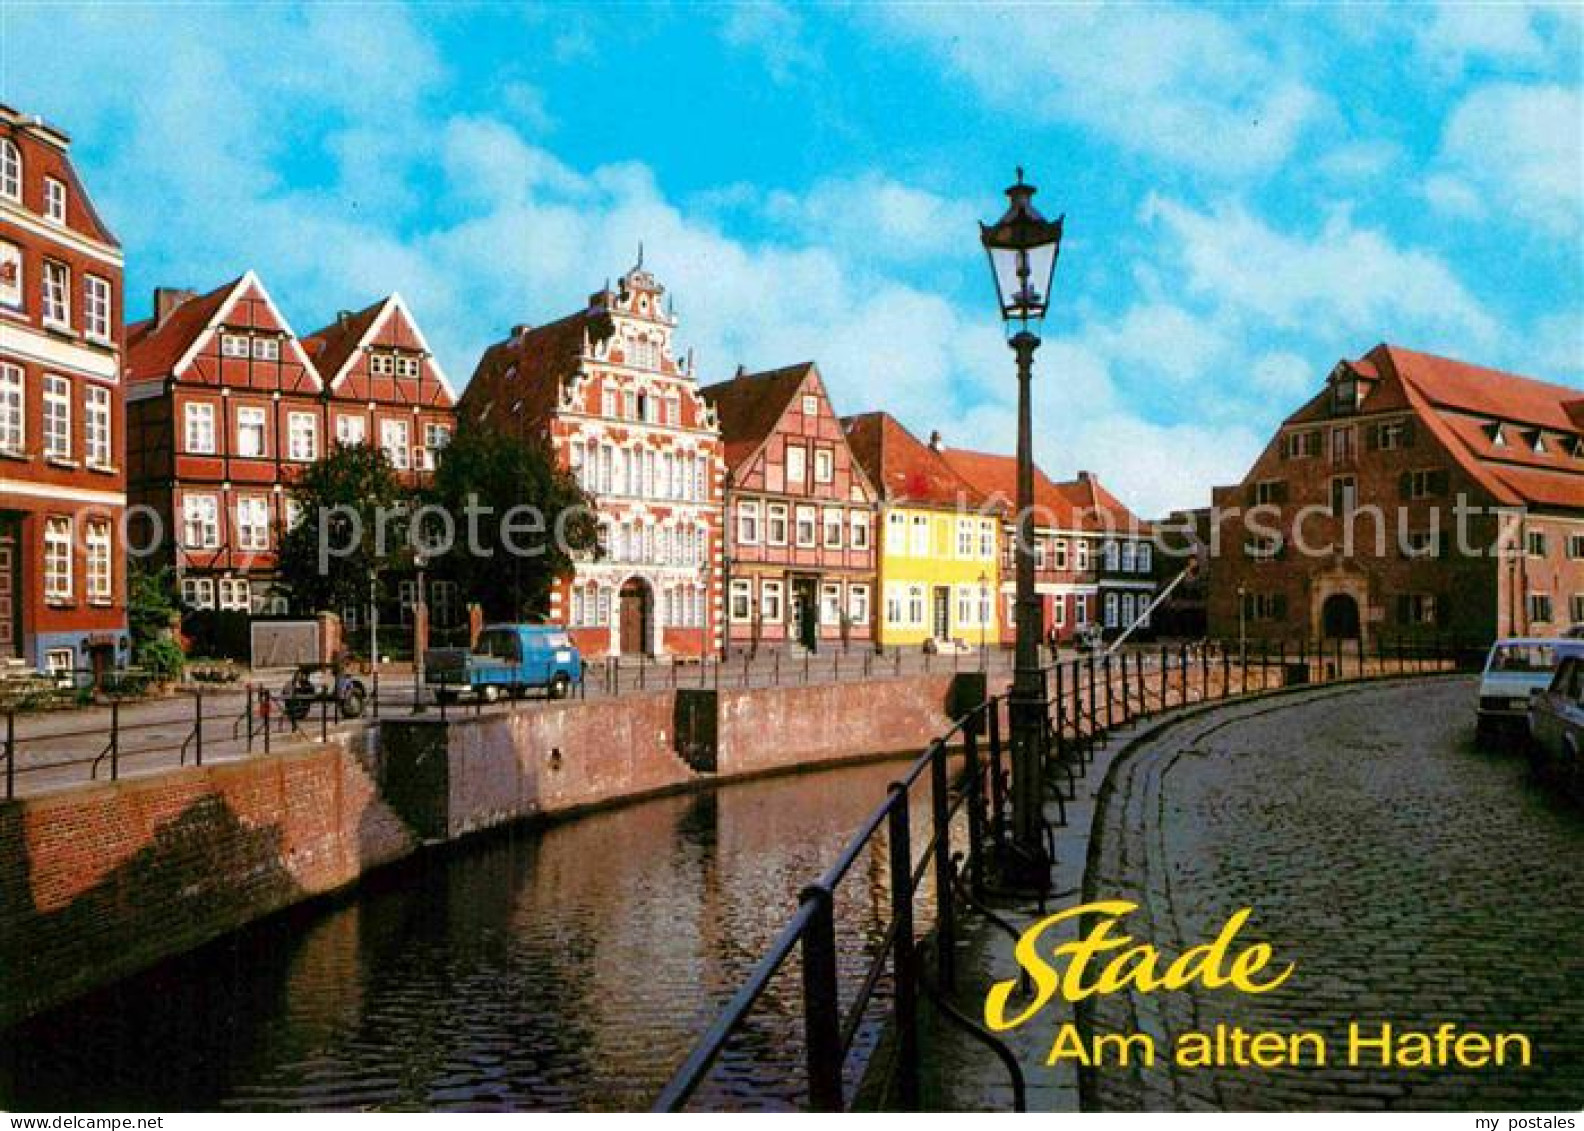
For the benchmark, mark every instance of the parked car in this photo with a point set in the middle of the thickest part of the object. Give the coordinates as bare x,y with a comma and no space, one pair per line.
1556,725
322,683
1514,671
508,659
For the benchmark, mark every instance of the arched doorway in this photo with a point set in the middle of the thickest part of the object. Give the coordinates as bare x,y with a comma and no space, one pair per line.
637,612
1339,617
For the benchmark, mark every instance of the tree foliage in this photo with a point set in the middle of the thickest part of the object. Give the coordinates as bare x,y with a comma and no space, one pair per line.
353,517
519,522
151,610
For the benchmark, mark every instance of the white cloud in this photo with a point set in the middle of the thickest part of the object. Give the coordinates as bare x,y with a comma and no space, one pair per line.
1185,85
1284,376
776,31
874,217
1519,151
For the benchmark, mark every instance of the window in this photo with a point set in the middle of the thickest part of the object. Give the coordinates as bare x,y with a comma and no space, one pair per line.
436,437
833,529
57,417
607,402
797,463
1344,495
233,345
96,426
1110,610
986,539
10,170
1061,553
236,593
200,522
1300,445
748,523
741,599
253,523
824,466
859,537
1110,557
57,294
776,525
1422,484
770,601
830,604
1416,608
1129,556
896,533
266,349
1576,546
1081,608
965,604
302,437
96,308
10,274
1345,394
630,404
893,604
919,536
54,200
1536,543
198,592
915,604
200,428
351,429
57,559
394,439
805,527
1540,608
1083,561
1059,611
1144,556
858,604
810,405
1576,608
12,409
965,537
250,431
1270,492
408,366
1394,435
99,559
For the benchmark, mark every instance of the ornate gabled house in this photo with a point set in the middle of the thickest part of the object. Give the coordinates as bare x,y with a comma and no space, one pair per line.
224,406
605,389
62,467
800,514
1359,496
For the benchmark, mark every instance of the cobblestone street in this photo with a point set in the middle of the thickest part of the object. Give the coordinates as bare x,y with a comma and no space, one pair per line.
1410,877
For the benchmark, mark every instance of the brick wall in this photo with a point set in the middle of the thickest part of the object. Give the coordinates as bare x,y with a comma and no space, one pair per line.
101,881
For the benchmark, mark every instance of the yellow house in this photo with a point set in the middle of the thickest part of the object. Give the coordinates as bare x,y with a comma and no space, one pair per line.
939,542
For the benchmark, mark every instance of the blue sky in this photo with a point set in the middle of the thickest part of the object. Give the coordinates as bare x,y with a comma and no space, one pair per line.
1252,191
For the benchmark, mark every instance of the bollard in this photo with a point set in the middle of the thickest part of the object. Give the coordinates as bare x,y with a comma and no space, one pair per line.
945,905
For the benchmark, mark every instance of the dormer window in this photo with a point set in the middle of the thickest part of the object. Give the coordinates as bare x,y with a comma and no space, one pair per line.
1576,448
1498,438
1345,393
10,170
54,200
1537,442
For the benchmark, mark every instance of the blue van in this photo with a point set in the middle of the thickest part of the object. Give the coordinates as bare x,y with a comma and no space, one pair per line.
509,659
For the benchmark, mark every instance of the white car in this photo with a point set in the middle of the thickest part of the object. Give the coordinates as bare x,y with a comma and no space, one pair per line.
1514,671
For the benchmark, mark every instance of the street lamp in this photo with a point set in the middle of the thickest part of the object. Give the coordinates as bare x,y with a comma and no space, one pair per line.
420,633
984,617
1022,247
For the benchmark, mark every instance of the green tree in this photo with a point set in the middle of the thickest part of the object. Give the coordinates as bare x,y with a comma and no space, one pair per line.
354,517
519,520
151,610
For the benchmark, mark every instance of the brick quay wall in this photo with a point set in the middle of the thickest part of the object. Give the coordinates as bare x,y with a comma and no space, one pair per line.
102,880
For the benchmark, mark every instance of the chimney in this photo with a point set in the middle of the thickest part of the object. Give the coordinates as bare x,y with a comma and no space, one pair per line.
520,330
1086,477
167,300
343,317
935,441
742,370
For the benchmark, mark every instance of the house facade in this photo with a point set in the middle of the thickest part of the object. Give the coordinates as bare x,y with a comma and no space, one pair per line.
1412,496
606,390
62,444
939,540
1125,569
227,406
799,565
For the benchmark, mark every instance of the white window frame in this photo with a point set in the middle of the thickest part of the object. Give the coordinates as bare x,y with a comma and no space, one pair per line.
796,464
896,540
57,294
771,601
251,420
13,293
96,308
741,602
234,593
10,170
55,200
806,518
198,428
198,592
916,605
101,583
201,513
57,417
13,409
266,348
97,426
351,428
834,523
59,585
396,443
252,519
777,514
858,531
824,465
302,434
965,538
858,604
830,603
235,346
919,536
748,522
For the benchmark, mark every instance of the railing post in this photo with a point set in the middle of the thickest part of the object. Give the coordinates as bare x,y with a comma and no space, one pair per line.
252,692
976,796
10,754
264,709
1165,676
1127,705
1204,673
1061,716
1138,679
1110,696
945,908
1226,673
903,955
1182,675
821,1009
115,739
324,720
1093,736
997,785
198,727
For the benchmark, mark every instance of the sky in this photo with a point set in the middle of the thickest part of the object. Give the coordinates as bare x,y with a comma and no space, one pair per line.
1252,192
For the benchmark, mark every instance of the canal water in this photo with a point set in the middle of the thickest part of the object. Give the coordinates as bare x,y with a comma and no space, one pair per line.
565,967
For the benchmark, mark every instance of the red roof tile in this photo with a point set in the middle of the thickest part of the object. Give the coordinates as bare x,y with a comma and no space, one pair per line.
749,407
1480,391
996,476
538,362
905,470
330,346
153,350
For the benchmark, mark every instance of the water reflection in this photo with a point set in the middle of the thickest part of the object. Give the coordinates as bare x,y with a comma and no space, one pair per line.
571,967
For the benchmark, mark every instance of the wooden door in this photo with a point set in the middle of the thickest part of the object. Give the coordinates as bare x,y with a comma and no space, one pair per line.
634,618
942,613
10,645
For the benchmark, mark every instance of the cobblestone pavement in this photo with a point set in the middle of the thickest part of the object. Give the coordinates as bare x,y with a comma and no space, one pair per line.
1412,879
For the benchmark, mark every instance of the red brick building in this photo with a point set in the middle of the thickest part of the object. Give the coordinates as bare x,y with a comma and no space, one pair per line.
227,405
62,461
606,390
800,515
1412,496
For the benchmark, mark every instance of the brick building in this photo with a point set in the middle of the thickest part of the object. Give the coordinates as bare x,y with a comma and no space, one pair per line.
605,389
800,514
939,540
62,462
226,406
1412,496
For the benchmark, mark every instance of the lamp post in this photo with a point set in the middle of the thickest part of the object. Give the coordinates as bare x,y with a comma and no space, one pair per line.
984,611
420,634
1022,247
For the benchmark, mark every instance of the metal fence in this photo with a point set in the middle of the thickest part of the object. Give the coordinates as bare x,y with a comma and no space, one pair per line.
1087,699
